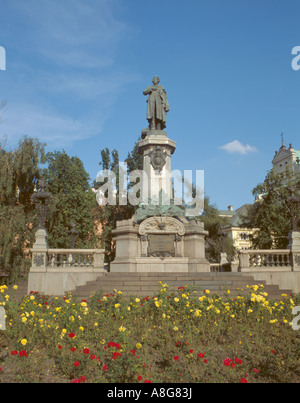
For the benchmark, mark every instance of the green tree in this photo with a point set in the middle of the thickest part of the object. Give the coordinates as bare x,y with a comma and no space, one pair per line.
213,223
270,215
19,171
73,201
109,214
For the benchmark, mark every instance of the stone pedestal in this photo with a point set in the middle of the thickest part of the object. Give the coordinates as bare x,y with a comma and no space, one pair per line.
160,244
159,238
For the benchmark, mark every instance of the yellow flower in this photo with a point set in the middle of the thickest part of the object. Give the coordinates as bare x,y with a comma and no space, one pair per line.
67,301
137,300
31,297
23,342
176,299
175,328
83,304
24,319
207,291
138,345
117,305
15,287
122,329
81,328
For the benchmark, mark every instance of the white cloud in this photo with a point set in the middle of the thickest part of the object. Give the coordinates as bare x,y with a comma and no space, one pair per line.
54,129
73,32
237,147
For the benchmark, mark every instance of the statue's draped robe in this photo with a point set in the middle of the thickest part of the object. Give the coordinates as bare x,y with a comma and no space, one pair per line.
158,104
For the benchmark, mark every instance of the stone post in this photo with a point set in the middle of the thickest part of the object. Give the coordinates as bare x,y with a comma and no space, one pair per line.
294,246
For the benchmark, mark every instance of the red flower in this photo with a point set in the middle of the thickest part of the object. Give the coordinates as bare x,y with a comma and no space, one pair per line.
273,351
86,351
147,381
201,355
71,335
232,365
115,355
104,367
75,381
205,361
238,361
14,352
178,343
113,344
256,370
92,356
76,364
82,378
191,351
23,353
243,380
139,378
133,352
59,347
72,349
227,362
176,357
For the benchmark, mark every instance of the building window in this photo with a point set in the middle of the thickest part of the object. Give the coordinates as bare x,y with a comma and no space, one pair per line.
244,236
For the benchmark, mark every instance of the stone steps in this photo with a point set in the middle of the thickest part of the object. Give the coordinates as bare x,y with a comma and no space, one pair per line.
148,284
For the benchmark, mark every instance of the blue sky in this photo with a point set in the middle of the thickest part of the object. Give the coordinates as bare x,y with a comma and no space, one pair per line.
76,69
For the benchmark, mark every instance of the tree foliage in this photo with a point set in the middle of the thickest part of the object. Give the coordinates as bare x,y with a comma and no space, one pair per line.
19,171
109,214
72,202
213,223
270,215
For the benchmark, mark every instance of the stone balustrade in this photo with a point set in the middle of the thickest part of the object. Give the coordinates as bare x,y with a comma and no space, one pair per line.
76,258
274,259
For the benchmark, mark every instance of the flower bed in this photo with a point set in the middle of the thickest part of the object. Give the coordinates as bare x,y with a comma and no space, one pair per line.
180,337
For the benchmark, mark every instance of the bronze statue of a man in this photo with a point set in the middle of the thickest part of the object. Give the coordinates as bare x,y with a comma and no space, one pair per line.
158,105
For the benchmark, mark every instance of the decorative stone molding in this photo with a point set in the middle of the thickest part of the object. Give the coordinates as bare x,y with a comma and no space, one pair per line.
161,225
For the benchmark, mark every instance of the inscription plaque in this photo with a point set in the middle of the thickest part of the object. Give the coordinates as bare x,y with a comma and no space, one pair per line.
161,245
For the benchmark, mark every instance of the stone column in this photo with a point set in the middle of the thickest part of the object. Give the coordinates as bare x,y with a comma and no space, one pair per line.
194,246
157,149
39,251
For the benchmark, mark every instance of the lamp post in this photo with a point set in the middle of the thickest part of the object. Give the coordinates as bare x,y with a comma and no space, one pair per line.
73,234
224,260
41,200
40,247
293,203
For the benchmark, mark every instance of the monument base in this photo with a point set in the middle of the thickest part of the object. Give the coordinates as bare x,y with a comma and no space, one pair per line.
160,244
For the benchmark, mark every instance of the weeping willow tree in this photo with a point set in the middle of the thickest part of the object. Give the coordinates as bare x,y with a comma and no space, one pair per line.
19,171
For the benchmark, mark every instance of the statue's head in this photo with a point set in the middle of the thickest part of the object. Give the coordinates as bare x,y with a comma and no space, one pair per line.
155,80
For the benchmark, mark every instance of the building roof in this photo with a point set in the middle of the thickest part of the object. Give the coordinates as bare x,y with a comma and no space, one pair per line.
235,217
